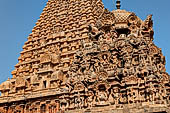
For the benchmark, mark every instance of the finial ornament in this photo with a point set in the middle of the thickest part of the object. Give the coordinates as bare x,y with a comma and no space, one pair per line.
118,4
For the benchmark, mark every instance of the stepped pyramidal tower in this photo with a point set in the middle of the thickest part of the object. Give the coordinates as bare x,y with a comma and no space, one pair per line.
82,58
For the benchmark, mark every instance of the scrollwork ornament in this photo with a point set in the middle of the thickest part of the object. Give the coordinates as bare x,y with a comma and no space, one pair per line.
153,50
132,19
102,76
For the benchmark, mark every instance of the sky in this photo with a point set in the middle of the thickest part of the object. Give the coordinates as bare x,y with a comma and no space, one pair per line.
18,17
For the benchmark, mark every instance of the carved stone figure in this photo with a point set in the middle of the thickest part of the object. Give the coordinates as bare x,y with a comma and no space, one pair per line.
81,58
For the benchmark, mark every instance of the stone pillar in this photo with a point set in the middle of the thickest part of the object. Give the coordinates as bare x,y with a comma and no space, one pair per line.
6,109
25,109
38,110
57,106
47,108
22,108
9,110
12,108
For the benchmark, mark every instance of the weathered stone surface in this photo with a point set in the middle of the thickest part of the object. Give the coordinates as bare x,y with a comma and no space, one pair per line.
82,58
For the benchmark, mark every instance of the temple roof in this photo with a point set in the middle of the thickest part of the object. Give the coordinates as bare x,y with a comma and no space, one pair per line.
82,55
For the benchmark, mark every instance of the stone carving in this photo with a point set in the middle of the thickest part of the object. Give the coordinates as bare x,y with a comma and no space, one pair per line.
57,75
94,61
45,58
5,86
20,82
125,53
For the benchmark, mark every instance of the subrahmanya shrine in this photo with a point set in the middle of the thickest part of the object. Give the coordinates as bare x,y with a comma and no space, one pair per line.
83,58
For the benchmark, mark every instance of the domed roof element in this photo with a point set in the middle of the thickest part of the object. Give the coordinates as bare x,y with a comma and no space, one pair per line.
123,18
5,85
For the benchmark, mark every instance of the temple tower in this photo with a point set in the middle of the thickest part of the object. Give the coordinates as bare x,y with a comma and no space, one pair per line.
82,58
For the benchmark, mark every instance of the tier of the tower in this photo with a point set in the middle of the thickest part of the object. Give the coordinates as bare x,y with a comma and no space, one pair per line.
51,46
60,29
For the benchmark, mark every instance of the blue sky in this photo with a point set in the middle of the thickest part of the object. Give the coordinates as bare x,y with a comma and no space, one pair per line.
18,17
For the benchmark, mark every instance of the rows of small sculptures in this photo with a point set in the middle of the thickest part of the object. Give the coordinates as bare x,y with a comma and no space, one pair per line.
119,64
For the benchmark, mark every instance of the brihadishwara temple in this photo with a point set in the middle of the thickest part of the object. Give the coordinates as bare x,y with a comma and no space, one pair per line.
82,58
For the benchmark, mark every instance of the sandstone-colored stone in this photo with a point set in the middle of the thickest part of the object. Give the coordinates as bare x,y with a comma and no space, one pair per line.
82,58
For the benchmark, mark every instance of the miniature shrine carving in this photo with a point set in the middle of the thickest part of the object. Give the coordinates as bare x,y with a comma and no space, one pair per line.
88,59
